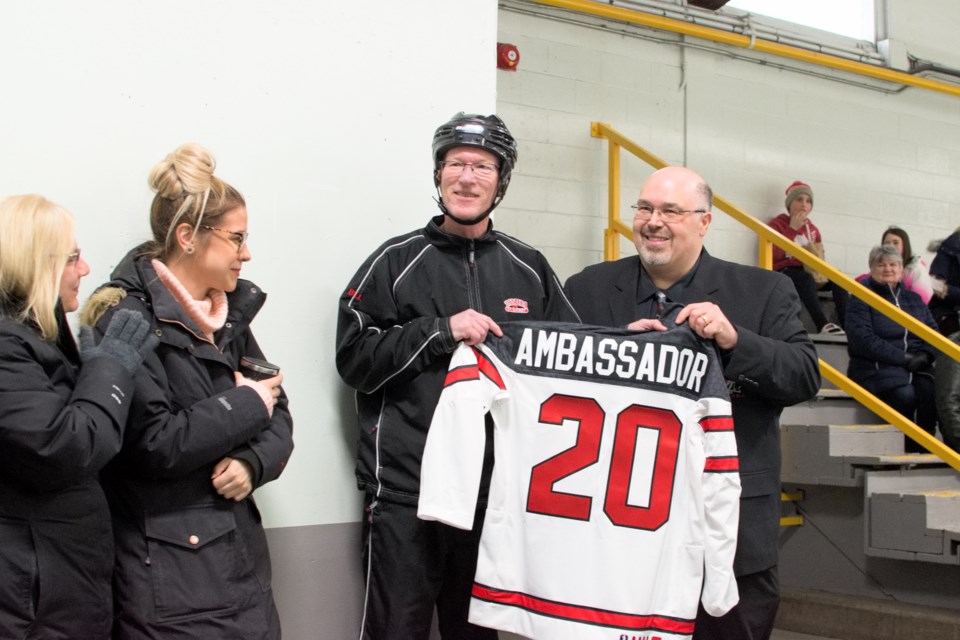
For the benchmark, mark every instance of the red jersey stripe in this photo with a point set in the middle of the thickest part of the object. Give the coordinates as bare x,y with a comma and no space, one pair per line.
717,423
489,369
588,615
469,372
722,464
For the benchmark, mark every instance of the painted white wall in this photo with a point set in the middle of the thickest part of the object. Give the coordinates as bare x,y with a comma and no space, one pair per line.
320,113
322,116
926,29
872,158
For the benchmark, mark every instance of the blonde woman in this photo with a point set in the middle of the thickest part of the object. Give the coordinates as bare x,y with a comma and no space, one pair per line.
192,559
62,413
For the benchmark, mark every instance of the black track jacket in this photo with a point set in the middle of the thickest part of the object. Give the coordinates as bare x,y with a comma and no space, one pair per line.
394,340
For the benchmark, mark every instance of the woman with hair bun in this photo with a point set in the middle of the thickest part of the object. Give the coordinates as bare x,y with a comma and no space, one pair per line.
62,414
192,558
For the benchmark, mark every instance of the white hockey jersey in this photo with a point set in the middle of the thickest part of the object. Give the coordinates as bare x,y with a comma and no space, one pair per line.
614,500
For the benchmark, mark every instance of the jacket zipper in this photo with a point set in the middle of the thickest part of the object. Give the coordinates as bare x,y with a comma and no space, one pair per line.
474,285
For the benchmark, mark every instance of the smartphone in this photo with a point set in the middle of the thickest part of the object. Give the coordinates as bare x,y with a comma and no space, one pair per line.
257,369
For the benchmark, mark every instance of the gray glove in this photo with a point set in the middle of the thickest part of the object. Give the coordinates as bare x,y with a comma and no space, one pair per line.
128,339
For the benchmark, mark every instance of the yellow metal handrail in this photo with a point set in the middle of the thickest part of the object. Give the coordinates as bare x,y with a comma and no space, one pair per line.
768,238
633,16
884,410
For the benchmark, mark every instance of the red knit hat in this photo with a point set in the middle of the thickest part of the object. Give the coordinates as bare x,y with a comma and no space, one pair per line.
796,189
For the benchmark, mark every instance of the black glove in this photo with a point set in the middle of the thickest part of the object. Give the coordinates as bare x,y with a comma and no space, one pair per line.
918,361
128,339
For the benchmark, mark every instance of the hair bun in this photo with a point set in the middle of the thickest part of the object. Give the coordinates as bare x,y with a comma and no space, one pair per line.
188,170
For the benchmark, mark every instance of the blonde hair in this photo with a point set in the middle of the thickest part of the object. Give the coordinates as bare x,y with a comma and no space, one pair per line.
186,192
36,236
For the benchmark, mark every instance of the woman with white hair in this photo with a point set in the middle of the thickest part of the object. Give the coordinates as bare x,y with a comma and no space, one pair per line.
62,416
885,358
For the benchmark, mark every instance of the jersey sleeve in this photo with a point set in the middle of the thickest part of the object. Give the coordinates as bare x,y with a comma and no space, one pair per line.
721,499
453,456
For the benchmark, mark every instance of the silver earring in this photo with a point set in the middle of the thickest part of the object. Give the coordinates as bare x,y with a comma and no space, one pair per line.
189,248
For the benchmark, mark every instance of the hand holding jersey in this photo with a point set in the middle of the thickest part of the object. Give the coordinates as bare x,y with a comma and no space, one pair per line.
705,319
471,327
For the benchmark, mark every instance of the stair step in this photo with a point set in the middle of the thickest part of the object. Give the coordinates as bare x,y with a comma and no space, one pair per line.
952,528
943,505
914,515
832,350
838,455
830,406
837,615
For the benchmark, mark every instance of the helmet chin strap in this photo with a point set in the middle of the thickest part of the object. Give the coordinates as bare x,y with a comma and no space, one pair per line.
467,223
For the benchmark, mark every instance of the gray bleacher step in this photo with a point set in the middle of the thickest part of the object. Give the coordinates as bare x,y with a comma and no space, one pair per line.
831,349
854,617
913,515
830,406
838,455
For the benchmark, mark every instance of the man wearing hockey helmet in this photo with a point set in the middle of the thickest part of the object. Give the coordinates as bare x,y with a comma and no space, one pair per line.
400,318
473,158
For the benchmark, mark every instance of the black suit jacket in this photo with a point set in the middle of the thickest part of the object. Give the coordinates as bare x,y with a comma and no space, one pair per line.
773,365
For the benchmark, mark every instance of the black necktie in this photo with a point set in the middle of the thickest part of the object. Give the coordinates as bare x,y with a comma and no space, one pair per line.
661,300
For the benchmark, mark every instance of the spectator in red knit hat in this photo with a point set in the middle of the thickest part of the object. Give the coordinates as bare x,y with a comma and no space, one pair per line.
795,224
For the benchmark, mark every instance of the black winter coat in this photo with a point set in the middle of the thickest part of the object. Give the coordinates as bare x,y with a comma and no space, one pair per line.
946,266
59,425
877,345
190,563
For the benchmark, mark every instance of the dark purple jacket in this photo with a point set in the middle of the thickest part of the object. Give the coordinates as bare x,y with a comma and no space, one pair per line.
878,346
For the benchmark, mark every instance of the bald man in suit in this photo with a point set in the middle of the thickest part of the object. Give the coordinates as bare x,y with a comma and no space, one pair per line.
768,360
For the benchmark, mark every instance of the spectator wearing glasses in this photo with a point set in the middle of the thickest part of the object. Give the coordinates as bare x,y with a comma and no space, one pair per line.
885,358
400,318
191,554
796,225
62,417
768,361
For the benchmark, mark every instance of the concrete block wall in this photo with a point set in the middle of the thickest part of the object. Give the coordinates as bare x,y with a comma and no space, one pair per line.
873,157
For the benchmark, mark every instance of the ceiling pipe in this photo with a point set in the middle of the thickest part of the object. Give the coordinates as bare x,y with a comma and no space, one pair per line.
746,42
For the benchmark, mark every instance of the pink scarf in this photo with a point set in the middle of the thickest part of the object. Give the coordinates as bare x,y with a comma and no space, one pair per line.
210,313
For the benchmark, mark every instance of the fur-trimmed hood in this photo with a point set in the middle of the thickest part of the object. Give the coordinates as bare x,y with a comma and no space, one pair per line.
935,245
122,280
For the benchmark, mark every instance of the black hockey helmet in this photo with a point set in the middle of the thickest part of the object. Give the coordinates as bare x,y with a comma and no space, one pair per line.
475,130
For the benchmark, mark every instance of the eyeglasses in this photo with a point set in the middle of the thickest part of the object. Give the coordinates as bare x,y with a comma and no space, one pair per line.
73,259
667,213
480,169
238,238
